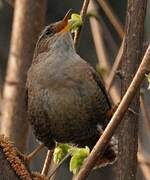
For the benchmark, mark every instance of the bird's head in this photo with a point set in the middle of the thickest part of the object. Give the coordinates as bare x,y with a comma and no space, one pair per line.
56,33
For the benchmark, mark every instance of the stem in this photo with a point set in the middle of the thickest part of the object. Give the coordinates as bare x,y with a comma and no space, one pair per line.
83,15
97,34
57,167
34,152
115,67
47,162
112,17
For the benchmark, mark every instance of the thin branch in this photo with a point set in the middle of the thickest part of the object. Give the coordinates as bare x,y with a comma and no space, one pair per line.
83,15
115,67
34,152
47,162
112,17
108,36
117,117
97,34
58,166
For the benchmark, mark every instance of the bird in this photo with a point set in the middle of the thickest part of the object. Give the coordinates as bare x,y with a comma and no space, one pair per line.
66,98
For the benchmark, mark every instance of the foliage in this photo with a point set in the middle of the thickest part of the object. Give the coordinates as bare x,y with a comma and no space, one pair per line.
75,22
78,155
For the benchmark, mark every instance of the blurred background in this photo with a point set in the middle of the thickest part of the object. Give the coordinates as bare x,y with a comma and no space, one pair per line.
111,40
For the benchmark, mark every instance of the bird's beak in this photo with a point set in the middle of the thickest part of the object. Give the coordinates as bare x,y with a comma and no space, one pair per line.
63,24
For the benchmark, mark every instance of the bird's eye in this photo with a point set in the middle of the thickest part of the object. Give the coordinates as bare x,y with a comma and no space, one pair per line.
48,32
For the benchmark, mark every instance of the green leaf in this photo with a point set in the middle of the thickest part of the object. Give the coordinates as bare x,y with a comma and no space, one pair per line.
60,152
75,22
78,156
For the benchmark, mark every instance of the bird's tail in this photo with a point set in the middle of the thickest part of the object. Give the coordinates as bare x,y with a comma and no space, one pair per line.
110,154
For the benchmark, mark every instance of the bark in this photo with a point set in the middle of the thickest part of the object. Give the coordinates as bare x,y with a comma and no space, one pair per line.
128,134
27,22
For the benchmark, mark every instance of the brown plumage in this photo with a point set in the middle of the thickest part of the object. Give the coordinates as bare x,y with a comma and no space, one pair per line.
67,101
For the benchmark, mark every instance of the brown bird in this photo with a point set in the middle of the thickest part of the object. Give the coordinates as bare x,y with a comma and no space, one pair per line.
67,101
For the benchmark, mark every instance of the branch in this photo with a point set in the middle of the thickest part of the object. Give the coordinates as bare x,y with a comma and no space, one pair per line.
58,166
47,162
112,17
83,15
34,153
117,117
115,67
97,34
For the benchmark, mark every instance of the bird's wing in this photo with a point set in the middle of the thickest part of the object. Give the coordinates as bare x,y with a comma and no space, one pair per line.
98,79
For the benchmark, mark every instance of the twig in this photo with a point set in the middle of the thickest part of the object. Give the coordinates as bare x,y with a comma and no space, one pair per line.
112,17
112,44
117,117
115,67
83,15
97,33
56,168
144,110
34,152
47,162
100,51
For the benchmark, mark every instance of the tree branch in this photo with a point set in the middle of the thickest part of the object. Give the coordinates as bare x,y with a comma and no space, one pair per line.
34,153
115,67
117,117
83,15
97,34
112,17
47,162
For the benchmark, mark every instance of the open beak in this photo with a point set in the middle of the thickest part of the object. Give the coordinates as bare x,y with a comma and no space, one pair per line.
63,24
